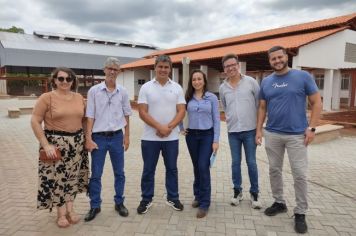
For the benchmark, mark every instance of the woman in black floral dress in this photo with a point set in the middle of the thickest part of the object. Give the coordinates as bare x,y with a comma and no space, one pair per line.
62,112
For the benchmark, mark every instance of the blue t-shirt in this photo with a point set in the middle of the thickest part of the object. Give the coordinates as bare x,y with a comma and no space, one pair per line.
285,96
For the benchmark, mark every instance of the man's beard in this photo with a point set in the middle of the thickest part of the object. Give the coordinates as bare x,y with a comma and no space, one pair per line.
285,65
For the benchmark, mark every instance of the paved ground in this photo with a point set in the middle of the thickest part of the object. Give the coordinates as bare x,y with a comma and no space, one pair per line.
332,192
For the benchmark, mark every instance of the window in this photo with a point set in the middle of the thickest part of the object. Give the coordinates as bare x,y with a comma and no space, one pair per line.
350,52
345,81
141,81
319,80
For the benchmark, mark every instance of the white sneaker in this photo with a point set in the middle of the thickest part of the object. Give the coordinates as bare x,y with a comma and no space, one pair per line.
255,203
235,200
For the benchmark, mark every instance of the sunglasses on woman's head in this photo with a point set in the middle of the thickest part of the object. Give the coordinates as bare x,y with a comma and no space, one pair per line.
68,79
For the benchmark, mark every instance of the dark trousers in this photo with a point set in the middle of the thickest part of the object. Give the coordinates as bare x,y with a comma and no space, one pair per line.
199,144
150,154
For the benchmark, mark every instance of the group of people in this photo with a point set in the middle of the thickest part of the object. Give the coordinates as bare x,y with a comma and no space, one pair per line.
101,125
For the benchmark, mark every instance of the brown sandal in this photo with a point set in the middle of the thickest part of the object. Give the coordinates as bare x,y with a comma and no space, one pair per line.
72,217
62,222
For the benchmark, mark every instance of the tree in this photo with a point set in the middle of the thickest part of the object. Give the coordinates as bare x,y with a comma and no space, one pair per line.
13,29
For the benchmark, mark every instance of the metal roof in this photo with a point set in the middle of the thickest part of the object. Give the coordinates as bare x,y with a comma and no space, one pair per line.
79,38
52,51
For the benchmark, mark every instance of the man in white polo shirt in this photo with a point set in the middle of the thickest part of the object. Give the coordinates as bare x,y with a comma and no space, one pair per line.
162,108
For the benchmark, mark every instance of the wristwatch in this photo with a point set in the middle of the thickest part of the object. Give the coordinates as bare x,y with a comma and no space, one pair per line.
312,129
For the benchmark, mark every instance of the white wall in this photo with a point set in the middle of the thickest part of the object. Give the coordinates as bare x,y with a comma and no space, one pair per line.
175,74
327,53
343,93
126,79
140,73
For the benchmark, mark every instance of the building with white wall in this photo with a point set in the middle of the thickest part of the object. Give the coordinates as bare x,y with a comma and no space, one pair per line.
326,48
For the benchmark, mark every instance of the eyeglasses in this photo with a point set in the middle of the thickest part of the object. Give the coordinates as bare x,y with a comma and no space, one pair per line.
112,69
68,79
230,66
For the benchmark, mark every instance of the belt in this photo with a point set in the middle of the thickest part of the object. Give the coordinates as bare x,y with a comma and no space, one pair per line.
200,131
63,133
108,133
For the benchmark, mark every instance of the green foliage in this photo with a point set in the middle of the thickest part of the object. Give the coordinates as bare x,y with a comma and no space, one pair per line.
13,29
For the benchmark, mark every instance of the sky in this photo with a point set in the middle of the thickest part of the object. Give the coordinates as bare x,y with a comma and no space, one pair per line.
165,23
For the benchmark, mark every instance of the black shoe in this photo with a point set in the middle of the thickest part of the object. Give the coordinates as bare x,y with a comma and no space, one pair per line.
275,209
143,207
300,226
91,214
175,204
121,209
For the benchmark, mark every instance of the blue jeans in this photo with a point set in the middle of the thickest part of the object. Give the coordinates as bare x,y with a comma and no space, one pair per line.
114,145
247,139
150,154
199,144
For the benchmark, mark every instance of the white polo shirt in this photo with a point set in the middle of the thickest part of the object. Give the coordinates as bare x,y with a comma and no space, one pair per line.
162,104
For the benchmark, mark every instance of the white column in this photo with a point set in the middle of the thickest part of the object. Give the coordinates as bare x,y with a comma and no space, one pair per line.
242,65
328,87
185,62
335,105
204,69
175,75
152,74
3,90
185,65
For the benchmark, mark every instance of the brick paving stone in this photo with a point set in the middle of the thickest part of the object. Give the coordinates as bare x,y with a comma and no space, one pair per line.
331,194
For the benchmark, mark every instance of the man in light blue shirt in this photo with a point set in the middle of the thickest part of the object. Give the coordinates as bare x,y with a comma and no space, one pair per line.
239,97
108,111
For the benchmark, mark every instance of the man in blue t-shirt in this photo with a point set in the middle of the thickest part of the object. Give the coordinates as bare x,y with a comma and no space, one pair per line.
283,97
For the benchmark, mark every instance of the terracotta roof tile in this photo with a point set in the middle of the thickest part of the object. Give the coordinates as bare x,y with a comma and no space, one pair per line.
262,46
315,25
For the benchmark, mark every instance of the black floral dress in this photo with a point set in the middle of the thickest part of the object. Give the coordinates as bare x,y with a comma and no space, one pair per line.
61,181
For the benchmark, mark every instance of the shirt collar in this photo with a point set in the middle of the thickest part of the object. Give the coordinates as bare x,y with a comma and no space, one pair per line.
169,80
206,95
226,81
102,86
